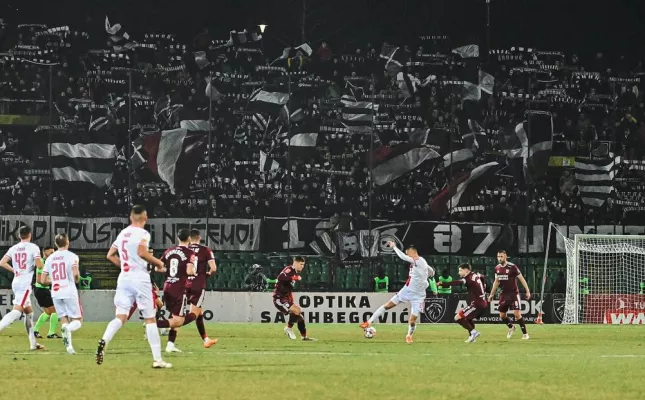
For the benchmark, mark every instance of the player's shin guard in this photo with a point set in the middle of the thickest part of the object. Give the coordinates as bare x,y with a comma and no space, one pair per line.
465,324
74,325
292,320
301,326
522,324
508,322
41,320
9,318
53,324
201,328
29,327
152,333
172,335
380,311
189,318
112,328
411,329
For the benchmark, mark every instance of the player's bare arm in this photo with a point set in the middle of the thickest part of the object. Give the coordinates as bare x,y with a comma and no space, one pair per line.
39,263
45,280
77,274
493,290
526,286
113,257
4,263
142,251
213,267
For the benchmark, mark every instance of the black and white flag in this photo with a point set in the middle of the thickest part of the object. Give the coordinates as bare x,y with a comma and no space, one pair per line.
595,179
267,163
358,116
83,158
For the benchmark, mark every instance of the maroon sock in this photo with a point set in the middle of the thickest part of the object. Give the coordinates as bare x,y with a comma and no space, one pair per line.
132,311
292,320
508,322
200,326
465,324
163,323
172,335
522,325
301,326
189,318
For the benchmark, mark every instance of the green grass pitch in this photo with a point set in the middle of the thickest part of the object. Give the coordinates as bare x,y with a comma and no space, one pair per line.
257,361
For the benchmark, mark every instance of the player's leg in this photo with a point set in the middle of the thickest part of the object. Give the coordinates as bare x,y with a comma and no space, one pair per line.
47,308
196,300
146,305
176,306
520,321
394,301
29,327
416,306
124,298
504,306
20,297
73,316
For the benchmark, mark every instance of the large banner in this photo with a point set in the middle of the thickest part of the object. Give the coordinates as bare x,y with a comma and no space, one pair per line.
99,233
614,309
328,308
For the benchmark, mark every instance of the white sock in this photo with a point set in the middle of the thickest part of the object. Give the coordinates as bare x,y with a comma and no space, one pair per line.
206,339
112,328
381,310
411,329
29,327
9,318
74,325
154,340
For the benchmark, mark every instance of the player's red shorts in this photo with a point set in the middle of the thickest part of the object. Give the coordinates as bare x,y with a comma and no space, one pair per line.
175,299
283,304
509,302
473,310
195,295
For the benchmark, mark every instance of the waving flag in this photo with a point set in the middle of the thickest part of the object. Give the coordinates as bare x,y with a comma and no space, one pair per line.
390,163
595,179
83,158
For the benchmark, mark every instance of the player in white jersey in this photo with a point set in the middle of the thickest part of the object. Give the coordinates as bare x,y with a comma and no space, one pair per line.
133,285
414,291
61,272
24,257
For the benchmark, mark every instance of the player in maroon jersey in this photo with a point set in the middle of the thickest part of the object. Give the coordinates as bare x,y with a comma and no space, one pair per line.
506,275
476,298
283,298
179,263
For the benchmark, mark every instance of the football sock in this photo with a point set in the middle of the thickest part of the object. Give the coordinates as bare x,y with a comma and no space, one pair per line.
189,318
411,329
522,325
292,320
200,326
53,324
112,328
381,310
9,318
74,326
301,326
132,311
508,322
41,320
465,324
29,327
152,333
163,323
172,336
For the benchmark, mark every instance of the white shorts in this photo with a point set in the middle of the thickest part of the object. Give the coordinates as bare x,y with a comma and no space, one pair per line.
130,292
21,296
70,308
416,300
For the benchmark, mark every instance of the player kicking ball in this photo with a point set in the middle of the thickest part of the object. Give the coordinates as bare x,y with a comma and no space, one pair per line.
414,291
61,272
283,298
477,304
506,276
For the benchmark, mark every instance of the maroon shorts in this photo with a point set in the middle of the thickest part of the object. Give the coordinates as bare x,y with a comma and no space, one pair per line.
473,310
283,304
509,302
195,296
175,300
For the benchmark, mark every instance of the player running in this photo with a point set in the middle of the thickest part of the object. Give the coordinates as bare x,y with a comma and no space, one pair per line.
283,298
24,257
413,292
196,286
506,274
179,263
134,284
476,298
61,272
44,298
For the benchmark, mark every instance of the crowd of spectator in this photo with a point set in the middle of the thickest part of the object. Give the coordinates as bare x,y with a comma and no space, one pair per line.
590,111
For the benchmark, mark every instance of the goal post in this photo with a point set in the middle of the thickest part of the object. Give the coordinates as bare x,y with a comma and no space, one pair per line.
605,279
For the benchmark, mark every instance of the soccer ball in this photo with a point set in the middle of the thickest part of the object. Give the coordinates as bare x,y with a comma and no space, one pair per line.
370,332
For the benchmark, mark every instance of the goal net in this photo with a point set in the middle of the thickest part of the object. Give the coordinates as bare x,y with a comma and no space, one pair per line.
605,279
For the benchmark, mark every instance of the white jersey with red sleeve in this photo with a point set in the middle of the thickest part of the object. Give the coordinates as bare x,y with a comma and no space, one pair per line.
419,273
133,267
60,268
23,258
